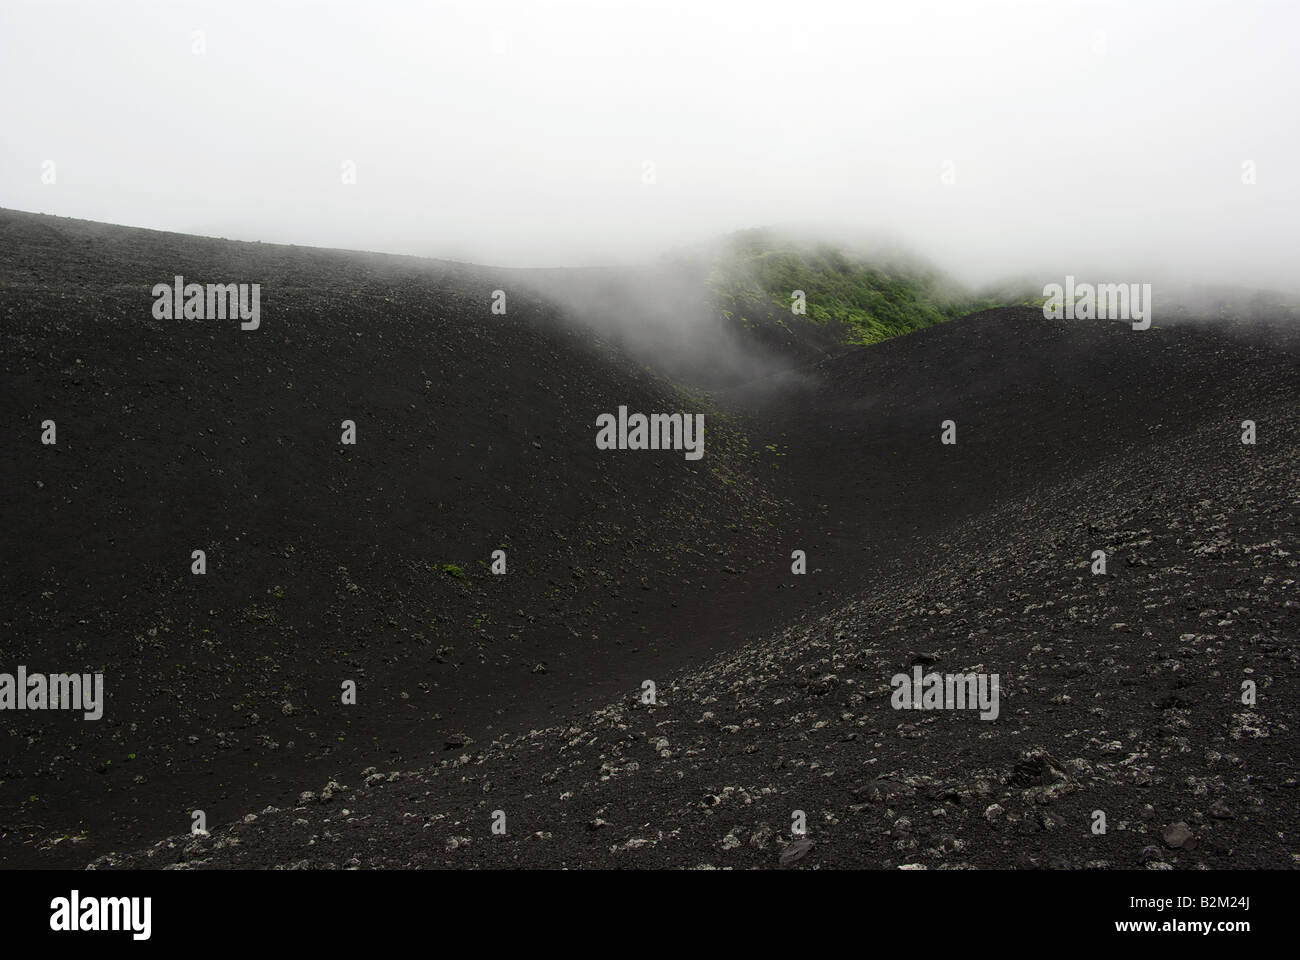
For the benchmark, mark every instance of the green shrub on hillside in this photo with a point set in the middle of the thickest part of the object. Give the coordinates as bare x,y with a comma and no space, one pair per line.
873,299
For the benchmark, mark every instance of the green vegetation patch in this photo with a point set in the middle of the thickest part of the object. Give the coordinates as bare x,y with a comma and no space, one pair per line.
872,299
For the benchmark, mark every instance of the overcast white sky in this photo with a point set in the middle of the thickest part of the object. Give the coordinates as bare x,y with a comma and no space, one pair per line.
518,132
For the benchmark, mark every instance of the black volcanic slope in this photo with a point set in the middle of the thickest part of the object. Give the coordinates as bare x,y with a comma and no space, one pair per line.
327,563
1120,694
